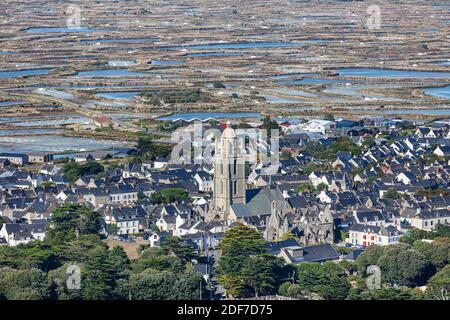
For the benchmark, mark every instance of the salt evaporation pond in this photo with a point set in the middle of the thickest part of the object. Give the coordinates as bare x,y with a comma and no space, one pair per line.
127,95
54,144
62,30
206,115
442,92
212,54
391,73
241,45
21,73
113,73
26,132
120,40
167,63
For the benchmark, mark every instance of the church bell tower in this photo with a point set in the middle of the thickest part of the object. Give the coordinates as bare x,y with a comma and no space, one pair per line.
229,172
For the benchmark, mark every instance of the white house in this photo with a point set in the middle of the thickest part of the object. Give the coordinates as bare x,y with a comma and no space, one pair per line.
18,233
319,126
125,220
366,235
442,151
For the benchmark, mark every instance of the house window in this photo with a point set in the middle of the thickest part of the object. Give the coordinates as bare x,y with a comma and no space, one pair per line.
234,166
372,238
426,223
235,187
364,237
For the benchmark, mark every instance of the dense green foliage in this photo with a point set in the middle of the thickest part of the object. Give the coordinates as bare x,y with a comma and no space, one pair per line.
245,268
73,171
400,264
439,285
169,195
150,150
40,270
69,220
329,153
173,96
441,231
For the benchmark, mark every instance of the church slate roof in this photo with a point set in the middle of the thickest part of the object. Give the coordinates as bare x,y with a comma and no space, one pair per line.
241,210
259,201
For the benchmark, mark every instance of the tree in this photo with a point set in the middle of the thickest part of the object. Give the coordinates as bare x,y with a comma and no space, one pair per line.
329,280
436,252
34,254
169,195
414,235
59,278
151,150
439,285
234,284
28,284
157,259
243,267
73,171
98,276
399,264
189,285
69,219
392,193
385,294
304,187
259,272
176,246
119,260
242,240
322,186
153,285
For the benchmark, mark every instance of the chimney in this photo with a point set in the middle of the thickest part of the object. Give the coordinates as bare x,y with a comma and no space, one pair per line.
296,253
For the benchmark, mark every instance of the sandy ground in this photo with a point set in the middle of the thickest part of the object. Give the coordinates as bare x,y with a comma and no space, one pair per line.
130,248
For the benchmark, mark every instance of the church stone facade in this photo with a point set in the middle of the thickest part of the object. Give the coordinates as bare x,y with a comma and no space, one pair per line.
266,209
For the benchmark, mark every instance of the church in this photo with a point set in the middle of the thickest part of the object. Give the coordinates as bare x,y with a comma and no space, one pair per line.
267,209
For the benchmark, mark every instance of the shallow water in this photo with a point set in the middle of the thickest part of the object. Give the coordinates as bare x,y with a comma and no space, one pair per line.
53,144
120,40
127,95
113,73
167,63
25,132
242,45
212,54
20,73
430,112
442,92
390,73
206,115
313,81
62,30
